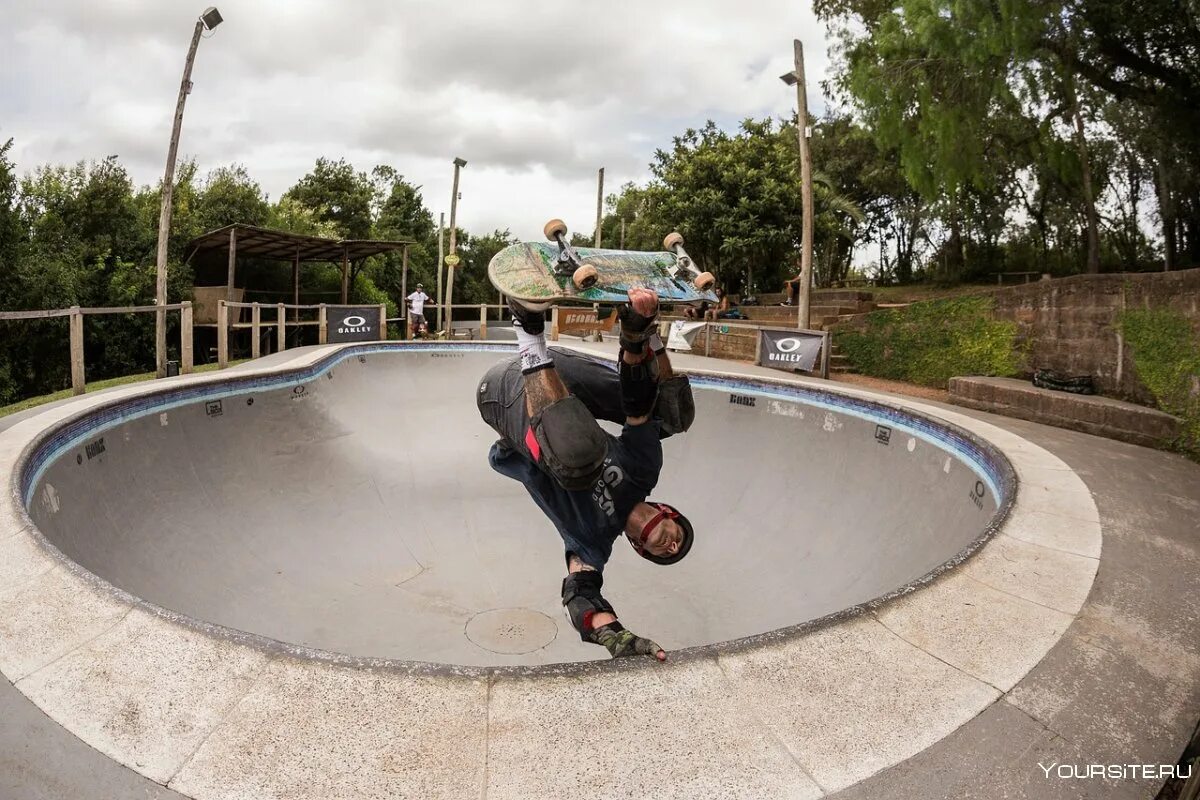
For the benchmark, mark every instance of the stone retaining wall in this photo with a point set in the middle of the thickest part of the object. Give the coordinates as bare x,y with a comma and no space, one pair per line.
1071,324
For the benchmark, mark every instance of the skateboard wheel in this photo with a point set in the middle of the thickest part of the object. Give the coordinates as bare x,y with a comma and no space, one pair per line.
585,277
705,281
672,240
555,228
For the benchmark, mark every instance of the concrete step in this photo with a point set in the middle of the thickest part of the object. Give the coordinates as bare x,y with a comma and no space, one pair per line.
1101,416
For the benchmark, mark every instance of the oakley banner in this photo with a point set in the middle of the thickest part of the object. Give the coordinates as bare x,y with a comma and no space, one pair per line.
352,324
790,350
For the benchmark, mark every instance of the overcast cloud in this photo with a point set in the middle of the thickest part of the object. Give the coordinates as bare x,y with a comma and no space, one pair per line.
534,95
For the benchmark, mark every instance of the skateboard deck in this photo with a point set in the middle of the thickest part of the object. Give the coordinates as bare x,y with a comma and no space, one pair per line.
526,271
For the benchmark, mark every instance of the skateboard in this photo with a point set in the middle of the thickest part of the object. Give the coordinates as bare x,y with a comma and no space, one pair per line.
547,273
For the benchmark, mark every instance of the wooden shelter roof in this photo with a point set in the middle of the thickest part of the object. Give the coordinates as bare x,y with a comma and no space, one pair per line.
257,242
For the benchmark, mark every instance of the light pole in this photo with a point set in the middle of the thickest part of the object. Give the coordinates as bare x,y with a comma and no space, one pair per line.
210,19
796,78
599,206
452,258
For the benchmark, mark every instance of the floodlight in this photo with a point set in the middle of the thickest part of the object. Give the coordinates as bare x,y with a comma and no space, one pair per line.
211,18
790,79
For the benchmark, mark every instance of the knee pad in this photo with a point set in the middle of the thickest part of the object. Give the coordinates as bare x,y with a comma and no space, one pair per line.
582,599
675,408
638,387
572,445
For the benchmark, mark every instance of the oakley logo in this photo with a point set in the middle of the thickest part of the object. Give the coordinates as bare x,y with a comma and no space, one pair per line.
788,345
354,321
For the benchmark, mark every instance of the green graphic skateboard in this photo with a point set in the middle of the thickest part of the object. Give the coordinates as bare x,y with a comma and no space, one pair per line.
547,273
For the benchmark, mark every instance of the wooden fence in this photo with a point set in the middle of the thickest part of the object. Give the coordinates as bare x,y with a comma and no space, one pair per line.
280,323
76,315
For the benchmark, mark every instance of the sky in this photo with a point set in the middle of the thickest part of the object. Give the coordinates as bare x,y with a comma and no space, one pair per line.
536,96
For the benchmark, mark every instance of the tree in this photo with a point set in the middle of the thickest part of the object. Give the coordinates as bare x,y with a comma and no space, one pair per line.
336,194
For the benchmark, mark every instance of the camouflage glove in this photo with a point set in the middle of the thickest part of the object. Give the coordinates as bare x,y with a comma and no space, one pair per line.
620,642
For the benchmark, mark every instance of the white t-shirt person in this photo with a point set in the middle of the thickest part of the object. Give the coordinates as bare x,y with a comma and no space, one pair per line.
416,302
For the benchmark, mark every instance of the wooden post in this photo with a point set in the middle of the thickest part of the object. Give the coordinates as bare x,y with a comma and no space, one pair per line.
707,338
806,244
482,321
441,261
322,326
826,344
622,233
554,324
77,371
383,323
232,270
164,214
599,205
296,285
345,276
255,323
757,345
222,335
458,165
404,284
280,328
185,338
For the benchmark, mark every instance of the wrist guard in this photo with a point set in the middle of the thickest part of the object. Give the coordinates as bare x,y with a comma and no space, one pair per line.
639,389
582,600
635,329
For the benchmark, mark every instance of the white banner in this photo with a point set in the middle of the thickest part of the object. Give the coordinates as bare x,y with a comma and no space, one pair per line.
682,335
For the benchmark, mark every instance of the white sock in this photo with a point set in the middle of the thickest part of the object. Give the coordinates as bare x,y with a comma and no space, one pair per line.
532,347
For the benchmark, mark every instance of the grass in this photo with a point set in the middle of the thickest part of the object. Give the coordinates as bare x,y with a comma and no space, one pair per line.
917,292
65,394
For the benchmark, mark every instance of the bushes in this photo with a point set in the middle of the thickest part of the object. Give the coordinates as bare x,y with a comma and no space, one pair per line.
1166,354
930,342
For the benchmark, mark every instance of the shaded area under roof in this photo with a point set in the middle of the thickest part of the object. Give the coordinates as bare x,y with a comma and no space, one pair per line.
254,242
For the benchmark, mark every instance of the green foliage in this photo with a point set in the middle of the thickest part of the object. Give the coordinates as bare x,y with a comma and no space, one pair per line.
1166,353
932,341
736,198
338,196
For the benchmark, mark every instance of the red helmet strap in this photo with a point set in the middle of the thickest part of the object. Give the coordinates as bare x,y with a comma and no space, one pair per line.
664,512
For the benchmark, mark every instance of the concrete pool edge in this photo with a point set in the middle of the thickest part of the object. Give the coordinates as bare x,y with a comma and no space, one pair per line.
71,434
945,683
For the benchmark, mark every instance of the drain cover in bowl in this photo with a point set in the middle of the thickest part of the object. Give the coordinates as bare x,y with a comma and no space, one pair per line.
511,630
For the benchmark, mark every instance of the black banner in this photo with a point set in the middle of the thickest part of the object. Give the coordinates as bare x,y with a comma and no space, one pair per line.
790,350
352,324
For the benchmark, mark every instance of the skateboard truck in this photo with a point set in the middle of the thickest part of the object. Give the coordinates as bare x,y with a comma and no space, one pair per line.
685,269
584,276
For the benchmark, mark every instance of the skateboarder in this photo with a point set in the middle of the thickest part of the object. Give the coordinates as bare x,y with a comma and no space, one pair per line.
593,486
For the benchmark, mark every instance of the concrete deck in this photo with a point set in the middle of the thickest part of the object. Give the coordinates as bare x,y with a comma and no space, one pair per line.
945,692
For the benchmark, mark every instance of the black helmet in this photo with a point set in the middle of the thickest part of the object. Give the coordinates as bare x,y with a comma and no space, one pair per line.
665,512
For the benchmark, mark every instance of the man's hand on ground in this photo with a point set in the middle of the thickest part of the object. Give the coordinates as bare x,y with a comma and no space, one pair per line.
621,643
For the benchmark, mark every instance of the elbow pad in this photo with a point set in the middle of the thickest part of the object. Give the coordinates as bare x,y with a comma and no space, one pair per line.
639,388
582,600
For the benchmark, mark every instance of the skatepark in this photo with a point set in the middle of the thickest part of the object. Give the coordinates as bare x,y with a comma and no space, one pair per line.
301,579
